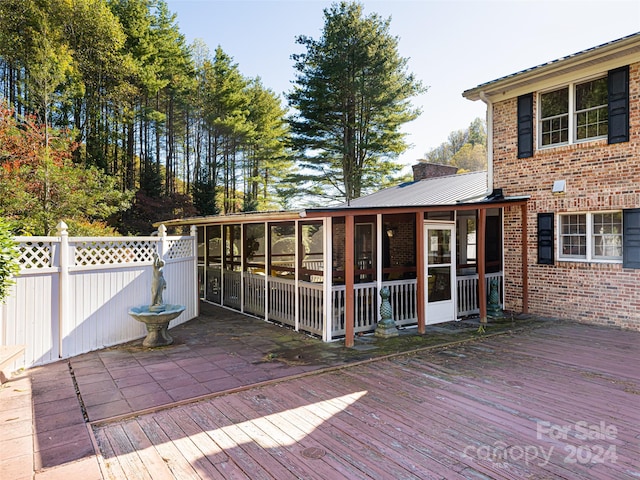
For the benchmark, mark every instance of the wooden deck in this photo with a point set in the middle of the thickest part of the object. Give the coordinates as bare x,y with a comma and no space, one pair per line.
556,402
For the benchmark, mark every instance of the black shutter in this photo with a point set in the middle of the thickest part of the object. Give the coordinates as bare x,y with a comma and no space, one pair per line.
631,238
545,238
618,86
525,126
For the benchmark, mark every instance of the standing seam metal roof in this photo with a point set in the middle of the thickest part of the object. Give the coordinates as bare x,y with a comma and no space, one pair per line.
446,190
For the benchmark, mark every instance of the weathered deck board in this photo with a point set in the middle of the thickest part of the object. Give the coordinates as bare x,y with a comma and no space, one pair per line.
169,452
290,439
470,411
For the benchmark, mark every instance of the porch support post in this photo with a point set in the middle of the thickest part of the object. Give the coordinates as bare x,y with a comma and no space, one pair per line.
296,276
267,268
379,233
525,263
420,274
327,262
205,273
223,262
349,271
482,286
243,252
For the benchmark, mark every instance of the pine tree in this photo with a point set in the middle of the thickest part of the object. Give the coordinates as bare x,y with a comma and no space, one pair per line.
351,97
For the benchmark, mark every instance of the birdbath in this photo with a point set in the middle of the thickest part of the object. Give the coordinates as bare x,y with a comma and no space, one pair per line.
158,314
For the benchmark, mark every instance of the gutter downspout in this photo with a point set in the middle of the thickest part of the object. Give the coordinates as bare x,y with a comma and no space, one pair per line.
489,119
484,98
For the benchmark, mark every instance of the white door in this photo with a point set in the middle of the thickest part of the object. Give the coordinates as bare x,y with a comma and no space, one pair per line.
440,268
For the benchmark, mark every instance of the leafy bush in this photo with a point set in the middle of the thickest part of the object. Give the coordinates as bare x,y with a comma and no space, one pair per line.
8,259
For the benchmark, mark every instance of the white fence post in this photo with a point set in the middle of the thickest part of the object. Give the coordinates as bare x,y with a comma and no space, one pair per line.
64,263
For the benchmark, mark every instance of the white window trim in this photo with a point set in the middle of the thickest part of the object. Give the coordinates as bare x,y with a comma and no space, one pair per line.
589,234
571,114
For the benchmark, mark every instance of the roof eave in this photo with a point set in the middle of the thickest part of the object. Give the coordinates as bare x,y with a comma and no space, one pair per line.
329,211
610,55
233,218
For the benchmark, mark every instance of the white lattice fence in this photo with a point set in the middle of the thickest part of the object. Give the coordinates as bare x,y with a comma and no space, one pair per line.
73,294
113,251
178,248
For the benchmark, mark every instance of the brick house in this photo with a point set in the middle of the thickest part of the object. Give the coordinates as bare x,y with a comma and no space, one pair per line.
566,134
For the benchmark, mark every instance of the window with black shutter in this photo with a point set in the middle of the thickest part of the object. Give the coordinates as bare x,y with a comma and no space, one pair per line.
525,126
618,90
545,238
631,238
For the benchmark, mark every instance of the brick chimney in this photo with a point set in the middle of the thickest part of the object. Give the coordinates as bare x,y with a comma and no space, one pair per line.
425,170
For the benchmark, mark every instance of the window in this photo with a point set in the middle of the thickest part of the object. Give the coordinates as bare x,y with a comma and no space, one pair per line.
554,117
607,235
574,113
591,236
591,109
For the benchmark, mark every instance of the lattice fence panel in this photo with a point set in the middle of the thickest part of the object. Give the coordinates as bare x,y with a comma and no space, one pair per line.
181,248
35,255
114,252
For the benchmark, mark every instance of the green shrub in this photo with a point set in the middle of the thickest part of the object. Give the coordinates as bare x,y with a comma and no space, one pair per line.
9,266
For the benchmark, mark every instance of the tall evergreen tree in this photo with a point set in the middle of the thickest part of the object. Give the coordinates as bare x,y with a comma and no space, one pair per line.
352,94
227,108
266,158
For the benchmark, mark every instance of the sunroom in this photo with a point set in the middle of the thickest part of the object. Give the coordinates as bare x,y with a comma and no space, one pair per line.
435,243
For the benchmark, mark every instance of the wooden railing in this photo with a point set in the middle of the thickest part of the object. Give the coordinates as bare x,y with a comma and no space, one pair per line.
282,301
231,288
311,307
468,292
254,294
404,301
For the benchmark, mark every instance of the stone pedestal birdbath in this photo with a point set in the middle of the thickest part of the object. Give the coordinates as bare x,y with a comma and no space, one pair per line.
157,315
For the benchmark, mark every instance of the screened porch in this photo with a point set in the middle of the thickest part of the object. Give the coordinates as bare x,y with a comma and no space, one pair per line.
285,269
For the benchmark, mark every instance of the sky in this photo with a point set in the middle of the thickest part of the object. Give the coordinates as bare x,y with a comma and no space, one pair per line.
451,46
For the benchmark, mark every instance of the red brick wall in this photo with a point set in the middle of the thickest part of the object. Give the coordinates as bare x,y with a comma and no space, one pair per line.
598,177
402,245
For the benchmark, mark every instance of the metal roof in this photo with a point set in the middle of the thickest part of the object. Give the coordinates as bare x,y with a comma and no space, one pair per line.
461,190
448,190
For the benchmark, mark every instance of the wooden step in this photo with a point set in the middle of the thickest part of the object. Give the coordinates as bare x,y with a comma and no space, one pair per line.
9,353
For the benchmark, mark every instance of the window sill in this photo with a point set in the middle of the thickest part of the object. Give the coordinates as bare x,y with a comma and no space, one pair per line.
578,144
586,260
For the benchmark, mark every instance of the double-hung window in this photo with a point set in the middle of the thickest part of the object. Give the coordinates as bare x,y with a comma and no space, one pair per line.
591,236
574,113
